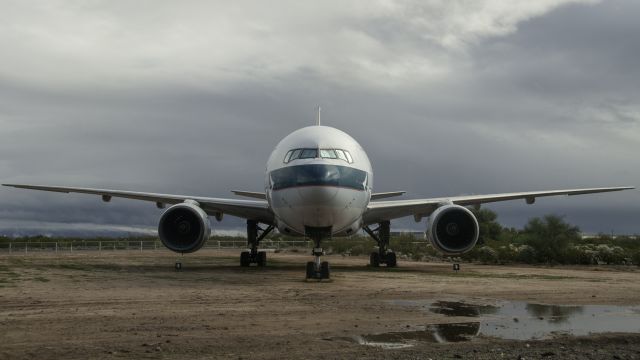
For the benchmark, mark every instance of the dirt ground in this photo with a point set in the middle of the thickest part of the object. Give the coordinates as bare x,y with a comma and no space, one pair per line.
132,304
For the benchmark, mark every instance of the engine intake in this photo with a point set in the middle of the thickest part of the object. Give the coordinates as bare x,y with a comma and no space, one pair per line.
184,227
453,229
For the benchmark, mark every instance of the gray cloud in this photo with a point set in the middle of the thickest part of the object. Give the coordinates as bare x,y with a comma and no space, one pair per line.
446,97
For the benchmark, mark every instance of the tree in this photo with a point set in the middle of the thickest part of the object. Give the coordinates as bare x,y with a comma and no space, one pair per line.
490,229
550,237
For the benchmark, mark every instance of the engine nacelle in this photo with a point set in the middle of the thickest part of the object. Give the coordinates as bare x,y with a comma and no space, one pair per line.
452,229
184,227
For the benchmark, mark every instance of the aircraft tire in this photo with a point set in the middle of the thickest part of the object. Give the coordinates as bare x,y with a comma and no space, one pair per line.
325,270
311,270
374,259
262,258
391,259
245,259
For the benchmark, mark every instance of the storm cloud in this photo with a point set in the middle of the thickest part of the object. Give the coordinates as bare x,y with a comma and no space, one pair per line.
447,98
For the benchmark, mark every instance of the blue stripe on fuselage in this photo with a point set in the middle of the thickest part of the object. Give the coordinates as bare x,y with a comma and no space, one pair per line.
318,175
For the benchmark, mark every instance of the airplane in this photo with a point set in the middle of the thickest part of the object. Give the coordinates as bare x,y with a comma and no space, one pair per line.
318,184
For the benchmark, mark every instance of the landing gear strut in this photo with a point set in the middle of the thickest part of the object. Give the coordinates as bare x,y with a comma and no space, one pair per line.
381,235
317,269
254,235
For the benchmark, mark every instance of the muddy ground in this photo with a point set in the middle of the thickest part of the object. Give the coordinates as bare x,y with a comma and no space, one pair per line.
132,304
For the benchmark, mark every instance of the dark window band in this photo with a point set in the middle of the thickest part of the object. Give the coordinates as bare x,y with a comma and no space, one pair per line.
318,175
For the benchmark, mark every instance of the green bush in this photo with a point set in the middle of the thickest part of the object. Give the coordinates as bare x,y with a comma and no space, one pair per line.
635,257
550,237
611,255
526,254
487,255
582,255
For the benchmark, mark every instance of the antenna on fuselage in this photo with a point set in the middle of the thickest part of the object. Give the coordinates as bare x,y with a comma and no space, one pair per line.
318,119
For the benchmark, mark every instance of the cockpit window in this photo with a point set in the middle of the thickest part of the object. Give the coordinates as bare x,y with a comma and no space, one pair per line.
337,154
286,157
328,154
292,155
349,158
309,154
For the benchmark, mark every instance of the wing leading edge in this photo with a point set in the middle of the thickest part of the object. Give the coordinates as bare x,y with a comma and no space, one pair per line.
248,209
387,210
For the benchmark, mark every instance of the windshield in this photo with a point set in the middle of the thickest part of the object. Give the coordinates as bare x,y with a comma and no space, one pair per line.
339,154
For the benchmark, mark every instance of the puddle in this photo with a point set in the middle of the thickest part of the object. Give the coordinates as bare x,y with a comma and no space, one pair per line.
513,320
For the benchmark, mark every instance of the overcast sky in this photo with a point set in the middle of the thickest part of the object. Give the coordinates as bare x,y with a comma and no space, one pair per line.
447,97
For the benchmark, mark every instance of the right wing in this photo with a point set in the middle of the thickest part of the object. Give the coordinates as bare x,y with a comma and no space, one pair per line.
248,209
250,194
378,211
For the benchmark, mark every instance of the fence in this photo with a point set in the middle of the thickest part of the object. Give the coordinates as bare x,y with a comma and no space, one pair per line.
56,246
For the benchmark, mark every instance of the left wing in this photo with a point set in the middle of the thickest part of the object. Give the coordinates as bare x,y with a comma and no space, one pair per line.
251,194
378,211
376,196
248,209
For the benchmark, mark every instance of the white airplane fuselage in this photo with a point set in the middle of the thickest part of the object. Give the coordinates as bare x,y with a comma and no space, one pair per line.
330,190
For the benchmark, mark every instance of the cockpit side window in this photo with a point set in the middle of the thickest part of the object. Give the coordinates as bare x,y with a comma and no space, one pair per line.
286,157
295,154
341,155
349,158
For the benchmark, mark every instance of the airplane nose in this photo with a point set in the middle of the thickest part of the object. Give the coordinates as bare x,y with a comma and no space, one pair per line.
318,194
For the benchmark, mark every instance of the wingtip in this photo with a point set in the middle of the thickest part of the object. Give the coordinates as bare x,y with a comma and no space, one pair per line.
17,185
622,188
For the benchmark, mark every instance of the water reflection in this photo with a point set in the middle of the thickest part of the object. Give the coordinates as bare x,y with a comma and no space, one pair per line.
553,313
454,332
510,320
451,332
455,308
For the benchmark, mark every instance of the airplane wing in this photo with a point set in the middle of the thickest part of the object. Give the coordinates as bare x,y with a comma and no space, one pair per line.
248,209
376,196
378,211
251,194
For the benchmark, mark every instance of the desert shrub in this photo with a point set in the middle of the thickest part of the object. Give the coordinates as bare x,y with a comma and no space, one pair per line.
506,253
635,257
550,237
582,255
526,254
487,255
361,249
490,229
611,255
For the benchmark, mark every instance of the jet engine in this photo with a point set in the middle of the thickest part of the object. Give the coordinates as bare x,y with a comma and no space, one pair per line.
452,229
184,227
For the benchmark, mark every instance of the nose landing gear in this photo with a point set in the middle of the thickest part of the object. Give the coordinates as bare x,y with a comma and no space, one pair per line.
254,235
381,235
317,269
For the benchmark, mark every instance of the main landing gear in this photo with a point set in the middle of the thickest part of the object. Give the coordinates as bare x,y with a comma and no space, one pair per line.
254,235
381,235
317,269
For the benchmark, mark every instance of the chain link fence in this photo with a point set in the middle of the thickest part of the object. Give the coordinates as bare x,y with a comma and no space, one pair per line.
22,247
